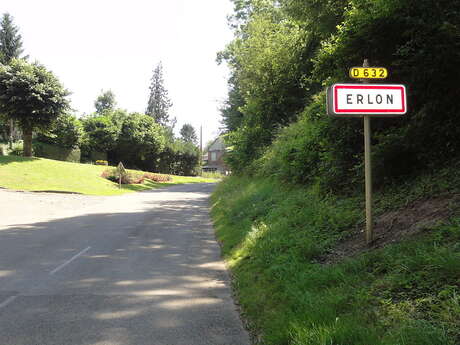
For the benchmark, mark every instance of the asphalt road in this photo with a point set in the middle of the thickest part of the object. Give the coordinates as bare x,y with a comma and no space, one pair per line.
137,269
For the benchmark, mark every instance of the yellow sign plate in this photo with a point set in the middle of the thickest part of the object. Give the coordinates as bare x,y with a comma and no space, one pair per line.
368,73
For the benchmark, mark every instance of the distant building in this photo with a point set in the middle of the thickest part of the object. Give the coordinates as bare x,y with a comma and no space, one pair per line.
213,160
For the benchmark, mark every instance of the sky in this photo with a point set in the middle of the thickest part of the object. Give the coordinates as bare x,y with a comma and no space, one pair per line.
94,45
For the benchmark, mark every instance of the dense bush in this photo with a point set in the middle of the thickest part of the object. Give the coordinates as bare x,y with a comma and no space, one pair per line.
140,142
137,141
101,134
66,132
179,158
157,177
126,177
416,40
59,153
133,178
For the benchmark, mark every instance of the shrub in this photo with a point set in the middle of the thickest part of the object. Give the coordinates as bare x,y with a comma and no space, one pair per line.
17,149
126,178
101,133
56,152
66,132
179,158
214,174
140,141
157,177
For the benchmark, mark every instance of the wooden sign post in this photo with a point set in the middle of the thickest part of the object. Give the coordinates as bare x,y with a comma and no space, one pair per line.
368,172
367,100
121,172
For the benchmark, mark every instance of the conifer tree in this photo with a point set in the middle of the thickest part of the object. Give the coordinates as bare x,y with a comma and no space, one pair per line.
10,40
10,48
159,102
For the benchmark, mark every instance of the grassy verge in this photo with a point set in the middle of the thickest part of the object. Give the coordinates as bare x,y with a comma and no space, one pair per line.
38,174
403,294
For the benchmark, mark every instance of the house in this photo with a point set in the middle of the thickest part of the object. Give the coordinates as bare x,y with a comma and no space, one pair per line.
213,161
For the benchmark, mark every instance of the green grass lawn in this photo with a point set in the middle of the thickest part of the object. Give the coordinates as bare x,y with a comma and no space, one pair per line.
39,174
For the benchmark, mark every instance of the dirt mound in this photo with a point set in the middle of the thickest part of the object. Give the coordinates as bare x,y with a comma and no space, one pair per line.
394,226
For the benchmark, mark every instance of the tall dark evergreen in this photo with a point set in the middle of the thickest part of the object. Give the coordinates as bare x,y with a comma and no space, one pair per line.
10,40
159,102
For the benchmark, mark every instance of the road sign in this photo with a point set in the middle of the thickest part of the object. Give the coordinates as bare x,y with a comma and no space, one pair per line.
368,73
355,100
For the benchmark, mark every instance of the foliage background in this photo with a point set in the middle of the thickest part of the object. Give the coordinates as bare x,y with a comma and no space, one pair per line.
285,53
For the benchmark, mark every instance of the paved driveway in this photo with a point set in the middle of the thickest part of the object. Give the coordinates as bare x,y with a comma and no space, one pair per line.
137,269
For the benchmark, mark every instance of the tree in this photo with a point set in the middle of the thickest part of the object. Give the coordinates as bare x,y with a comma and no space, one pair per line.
179,158
66,132
140,142
105,102
10,40
10,48
101,133
31,95
188,134
159,102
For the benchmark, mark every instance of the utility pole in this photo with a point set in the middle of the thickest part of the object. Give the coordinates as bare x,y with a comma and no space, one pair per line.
201,149
201,139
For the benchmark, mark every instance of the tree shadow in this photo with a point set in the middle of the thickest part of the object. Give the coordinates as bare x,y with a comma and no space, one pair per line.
4,160
150,277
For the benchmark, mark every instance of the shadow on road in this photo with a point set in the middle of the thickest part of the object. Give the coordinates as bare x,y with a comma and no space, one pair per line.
152,277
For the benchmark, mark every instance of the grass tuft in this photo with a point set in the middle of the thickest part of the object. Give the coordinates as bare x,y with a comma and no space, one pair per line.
274,235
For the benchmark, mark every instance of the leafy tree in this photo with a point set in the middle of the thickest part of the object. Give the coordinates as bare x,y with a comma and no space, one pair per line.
267,85
159,102
284,54
32,96
105,102
66,132
140,142
232,117
179,158
188,134
101,133
10,48
10,40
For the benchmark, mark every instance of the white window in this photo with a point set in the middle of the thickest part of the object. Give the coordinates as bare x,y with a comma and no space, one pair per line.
213,156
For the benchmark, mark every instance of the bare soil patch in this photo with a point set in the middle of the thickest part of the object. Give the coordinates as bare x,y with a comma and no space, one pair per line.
395,226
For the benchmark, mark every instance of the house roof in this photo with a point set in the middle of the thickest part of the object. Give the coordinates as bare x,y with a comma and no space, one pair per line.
217,145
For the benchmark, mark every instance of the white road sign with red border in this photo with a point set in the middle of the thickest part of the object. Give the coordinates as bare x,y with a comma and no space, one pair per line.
367,99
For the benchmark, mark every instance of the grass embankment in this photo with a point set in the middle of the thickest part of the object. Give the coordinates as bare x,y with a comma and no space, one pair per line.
39,174
280,242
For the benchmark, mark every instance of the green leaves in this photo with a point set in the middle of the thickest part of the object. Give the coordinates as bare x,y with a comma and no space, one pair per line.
140,141
10,40
285,53
66,132
31,94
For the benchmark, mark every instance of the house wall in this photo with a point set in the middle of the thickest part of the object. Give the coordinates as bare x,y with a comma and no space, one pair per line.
218,148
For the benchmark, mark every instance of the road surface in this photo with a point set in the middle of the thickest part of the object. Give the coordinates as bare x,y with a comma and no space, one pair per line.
136,269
